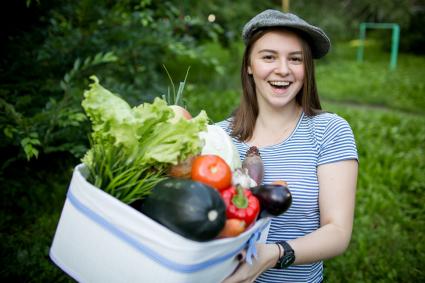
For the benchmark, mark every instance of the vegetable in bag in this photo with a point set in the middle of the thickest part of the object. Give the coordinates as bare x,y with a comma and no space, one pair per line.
191,209
218,142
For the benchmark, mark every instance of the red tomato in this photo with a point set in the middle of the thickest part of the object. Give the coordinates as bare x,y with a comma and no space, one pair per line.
212,170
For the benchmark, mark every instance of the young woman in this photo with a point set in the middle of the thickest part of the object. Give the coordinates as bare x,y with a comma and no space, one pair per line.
312,150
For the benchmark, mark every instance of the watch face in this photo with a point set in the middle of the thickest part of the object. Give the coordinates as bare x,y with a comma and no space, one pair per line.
288,258
286,261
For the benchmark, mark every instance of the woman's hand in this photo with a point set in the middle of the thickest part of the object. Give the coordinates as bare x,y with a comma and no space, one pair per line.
267,255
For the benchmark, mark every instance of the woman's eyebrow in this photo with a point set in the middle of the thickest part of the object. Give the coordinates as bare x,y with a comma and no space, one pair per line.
267,51
296,53
274,52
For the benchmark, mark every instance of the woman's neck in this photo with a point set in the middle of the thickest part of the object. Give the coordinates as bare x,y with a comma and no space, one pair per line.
276,119
272,127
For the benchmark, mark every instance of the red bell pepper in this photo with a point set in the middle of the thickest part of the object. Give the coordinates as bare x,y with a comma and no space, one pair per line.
241,204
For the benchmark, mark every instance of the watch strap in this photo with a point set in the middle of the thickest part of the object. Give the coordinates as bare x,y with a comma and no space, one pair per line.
288,256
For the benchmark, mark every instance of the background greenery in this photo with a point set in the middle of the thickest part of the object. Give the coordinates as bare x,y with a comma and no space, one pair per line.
50,48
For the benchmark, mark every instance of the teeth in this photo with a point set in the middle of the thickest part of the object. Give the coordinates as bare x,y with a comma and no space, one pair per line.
279,83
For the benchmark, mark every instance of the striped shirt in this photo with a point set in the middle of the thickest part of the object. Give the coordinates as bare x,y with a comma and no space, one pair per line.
316,140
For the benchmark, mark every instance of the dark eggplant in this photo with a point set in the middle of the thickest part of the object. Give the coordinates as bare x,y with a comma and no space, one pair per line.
274,199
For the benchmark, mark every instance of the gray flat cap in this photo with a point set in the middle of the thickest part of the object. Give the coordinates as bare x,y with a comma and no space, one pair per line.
318,40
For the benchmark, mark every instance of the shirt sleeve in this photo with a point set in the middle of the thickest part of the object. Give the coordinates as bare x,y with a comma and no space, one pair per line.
338,142
225,125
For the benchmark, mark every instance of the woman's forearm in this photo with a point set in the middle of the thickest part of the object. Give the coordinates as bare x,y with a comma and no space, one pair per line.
326,242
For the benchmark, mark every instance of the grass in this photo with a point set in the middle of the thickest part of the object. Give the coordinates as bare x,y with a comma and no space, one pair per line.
387,243
386,111
31,202
342,79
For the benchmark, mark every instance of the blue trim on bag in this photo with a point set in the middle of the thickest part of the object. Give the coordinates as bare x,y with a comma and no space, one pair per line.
185,268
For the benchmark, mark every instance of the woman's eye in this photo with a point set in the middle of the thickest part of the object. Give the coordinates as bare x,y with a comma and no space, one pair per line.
268,57
296,59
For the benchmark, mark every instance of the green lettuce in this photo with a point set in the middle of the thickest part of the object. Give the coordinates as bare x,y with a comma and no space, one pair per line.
145,138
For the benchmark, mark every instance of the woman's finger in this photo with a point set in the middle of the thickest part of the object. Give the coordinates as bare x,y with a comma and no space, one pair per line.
241,256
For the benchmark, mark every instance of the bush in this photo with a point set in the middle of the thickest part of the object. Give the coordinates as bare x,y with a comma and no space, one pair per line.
124,43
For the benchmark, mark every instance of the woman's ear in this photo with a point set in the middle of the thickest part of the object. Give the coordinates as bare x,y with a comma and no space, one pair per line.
249,70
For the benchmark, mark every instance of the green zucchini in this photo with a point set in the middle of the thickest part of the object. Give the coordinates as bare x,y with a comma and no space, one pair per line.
189,208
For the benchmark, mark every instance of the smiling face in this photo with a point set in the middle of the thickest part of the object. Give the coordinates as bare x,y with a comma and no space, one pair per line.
277,68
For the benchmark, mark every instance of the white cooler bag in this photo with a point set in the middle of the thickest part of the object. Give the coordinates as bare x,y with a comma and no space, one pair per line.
101,239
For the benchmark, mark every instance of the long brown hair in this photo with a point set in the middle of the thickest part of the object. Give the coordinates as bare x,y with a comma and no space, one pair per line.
245,115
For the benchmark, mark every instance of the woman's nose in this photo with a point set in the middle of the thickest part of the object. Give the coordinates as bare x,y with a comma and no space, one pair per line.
282,68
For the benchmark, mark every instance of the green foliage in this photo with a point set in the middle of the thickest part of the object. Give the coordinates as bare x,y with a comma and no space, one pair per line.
56,121
80,66
124,42
222,102
342,18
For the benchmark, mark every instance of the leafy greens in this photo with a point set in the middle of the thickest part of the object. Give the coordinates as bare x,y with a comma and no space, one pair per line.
133,147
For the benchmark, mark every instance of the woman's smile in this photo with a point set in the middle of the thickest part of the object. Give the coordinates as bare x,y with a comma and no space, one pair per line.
279,87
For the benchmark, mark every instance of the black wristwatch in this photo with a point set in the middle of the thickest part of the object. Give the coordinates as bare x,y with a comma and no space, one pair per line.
288,257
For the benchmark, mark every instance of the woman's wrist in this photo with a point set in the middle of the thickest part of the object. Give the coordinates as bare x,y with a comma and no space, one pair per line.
280,253
274,253
269,254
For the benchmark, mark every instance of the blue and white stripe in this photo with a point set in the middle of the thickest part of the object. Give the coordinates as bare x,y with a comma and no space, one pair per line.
316,140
